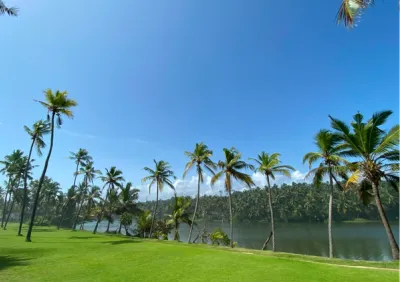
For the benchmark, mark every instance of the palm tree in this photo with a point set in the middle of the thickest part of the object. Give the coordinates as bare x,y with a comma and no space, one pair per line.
201,158
127,200
71,196
378,154
231,168
91,197
350,10
89,173
160,176
179,215
57,104
113,179
331,165
10,169
81,158
269,165
12,11
39,129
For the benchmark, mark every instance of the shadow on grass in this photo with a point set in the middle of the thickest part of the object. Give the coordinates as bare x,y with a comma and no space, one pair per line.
10,261
83,237
44,230
120,242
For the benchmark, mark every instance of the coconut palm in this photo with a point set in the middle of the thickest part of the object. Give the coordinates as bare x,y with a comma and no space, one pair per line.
81,158
200,158
70,197
10,168
93,195
378,158
331,165
113,180
89,173
270,165
160,176
127,201
179,215
12,11
39,129
231,167
58,105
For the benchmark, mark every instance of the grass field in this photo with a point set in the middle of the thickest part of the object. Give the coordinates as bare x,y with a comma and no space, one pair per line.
62,255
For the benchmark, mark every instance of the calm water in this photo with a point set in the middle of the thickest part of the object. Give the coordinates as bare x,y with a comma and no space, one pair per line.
366,241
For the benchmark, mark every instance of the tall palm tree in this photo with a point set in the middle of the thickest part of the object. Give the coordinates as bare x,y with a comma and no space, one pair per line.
231,167
160,176
89,173
179,215
57,104
331,165
113,180
378,154
10,169
39,129
269,165
200,158
11,11
127,200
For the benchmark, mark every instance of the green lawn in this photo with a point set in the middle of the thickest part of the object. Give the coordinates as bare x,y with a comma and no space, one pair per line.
81,256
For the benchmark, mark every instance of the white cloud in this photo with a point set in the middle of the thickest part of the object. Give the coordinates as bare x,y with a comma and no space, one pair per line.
188,187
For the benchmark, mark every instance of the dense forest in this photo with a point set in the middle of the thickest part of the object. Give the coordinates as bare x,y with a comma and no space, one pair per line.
298,202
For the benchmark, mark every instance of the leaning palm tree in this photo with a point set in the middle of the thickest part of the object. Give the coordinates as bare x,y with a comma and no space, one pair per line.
39,129
231,169
377,151
331,165
179,215
269,165
57,104
11,11
113,180
89,174
200,158
160,175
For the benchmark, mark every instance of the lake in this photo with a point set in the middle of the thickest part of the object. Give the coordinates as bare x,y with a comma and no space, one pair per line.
361,241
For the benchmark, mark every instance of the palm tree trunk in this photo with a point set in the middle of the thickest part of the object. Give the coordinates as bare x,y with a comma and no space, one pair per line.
108,226
77,215
9,213
101,214
154,214
64,209
195,208
330,216
271,211
230,215
76,173
3,217
46,164
25,189
120,226
392,240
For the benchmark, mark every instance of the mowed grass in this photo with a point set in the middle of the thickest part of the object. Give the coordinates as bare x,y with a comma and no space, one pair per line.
62,255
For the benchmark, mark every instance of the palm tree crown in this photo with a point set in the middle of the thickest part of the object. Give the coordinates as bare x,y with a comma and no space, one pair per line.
113,178
89,173
329,155
269,165
81,157
39,129
161,175
231,168
12,11
200,157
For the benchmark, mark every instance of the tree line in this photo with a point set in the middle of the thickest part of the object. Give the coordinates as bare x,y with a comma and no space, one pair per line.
360,156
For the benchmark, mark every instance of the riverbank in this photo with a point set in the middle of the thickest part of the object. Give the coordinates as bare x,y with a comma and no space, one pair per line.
81,256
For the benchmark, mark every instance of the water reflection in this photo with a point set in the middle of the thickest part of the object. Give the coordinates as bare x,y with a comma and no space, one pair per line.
366,241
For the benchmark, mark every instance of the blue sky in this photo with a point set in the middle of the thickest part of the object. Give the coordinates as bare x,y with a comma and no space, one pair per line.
152,78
